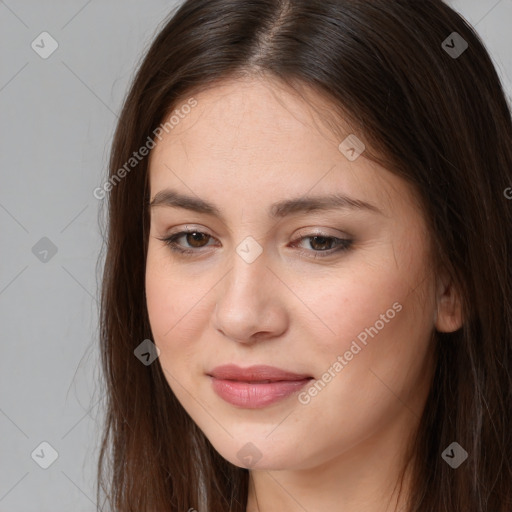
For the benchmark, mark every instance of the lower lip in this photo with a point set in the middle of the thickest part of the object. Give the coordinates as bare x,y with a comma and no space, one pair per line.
256,396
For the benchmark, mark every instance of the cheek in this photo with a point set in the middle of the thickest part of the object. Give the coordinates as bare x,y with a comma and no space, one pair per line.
159,298
175,310
162,299
169,295
374,364
378,311
346,305
383,323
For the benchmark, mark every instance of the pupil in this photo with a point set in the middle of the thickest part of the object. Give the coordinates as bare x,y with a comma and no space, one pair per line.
322,241
196,237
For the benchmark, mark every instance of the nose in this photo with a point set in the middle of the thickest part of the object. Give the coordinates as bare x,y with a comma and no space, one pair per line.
249,305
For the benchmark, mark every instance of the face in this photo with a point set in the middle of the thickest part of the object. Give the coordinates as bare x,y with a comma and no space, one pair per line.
341,296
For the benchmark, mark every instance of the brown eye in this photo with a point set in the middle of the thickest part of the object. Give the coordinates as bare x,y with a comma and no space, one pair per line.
192,240
320,246
195,239
321,243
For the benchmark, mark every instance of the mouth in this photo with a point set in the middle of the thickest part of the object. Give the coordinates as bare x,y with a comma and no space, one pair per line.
257,386
256,374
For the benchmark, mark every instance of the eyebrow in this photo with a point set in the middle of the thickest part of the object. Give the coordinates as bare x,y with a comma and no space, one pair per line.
174,199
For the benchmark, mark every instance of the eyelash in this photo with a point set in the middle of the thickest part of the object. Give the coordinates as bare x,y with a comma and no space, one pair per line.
343,244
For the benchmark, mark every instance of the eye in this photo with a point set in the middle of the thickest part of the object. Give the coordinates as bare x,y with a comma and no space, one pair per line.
195,238
320,245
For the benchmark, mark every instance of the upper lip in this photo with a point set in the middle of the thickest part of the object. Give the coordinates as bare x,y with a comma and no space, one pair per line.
255,373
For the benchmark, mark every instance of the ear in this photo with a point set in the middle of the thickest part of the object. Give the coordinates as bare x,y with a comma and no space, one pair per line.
448,314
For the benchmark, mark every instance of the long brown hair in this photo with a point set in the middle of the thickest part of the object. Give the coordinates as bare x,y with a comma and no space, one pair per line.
438,119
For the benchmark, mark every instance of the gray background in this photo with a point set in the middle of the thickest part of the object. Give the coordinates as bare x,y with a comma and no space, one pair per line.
57,120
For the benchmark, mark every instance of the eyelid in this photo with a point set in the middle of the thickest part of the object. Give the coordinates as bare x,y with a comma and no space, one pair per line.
343,244
302,232
313,231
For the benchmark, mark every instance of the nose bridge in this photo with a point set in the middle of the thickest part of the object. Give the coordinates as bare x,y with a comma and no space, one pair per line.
249,274
245,302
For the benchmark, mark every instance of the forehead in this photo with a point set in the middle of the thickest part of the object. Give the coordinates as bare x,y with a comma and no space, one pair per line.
257,137
252,114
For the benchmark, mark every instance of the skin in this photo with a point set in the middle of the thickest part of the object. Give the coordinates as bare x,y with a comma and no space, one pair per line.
247,144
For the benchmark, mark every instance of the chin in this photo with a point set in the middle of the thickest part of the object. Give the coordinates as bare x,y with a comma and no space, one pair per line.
258,455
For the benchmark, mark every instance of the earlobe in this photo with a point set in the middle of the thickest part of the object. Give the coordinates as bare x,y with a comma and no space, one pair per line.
448,314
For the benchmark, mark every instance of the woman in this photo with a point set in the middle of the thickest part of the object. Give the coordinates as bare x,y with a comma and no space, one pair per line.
307,294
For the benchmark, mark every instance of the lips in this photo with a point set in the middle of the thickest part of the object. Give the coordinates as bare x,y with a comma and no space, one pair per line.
255,374
255,387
